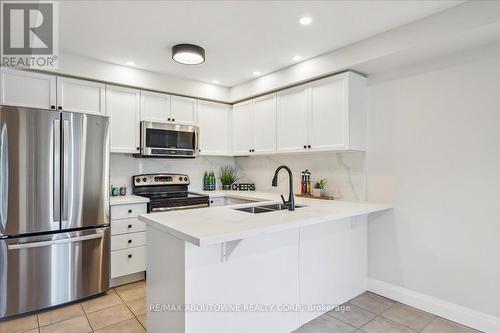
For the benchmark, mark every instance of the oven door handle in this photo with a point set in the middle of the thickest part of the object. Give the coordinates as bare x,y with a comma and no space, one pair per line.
167,209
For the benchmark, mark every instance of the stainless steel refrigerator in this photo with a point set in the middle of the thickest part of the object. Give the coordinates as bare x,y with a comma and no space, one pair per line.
54,209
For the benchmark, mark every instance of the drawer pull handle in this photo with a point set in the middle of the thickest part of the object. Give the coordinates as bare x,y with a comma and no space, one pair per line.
130,241
130,226
130,211
130,256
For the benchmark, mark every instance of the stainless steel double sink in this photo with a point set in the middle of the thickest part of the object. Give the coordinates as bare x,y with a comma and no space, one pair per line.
265,208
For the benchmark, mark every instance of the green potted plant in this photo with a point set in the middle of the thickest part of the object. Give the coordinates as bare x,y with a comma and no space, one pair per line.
227,176
319,188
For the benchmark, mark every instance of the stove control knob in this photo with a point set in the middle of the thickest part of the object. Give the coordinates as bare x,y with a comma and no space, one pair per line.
137,180
185,179
144,179
180,178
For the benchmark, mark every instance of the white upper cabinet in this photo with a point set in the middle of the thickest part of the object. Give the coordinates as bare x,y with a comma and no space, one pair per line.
213,120
293,119
265,124
243,124
254,126
155,106
81,96
123,106
183,110
27,89
327,114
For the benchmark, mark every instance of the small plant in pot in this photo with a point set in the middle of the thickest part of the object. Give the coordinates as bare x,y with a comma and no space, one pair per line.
227,176
319,188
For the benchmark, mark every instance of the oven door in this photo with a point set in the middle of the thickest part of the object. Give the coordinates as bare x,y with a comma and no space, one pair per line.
164,139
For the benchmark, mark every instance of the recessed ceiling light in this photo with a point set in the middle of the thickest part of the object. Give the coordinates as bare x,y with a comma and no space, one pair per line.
188,54
215,82
296,58
130,63
305,20
256,73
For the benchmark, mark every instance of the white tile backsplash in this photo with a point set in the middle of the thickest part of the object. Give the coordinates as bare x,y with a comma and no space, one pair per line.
344,172
124,166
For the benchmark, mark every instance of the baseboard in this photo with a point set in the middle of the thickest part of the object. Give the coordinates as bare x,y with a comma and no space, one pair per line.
454,312
127,279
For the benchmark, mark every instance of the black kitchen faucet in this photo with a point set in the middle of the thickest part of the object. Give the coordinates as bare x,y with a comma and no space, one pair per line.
291,201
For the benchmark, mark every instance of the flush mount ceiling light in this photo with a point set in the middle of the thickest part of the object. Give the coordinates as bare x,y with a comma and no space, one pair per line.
256,73
188,54
296,58
130,63
305,20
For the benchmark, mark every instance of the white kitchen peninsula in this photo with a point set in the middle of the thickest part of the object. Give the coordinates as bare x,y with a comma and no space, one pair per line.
235,271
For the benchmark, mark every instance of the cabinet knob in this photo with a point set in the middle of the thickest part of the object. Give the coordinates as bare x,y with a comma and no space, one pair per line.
59,107
168,119
173,119
130,226
130,211
129,256
53,107
130,241
308,146
305,146
137,148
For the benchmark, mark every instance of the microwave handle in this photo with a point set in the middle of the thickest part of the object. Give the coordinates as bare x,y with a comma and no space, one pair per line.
197,142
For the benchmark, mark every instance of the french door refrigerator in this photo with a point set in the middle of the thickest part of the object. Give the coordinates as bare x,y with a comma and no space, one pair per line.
54,208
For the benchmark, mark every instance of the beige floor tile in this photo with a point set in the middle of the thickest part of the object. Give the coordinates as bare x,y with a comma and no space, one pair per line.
143,319
35,330
328,324
109,316
132,291
138,307
353,315
372,302
73,325
60,314
102,302
127,326
408,316
19,325
381,325
440,325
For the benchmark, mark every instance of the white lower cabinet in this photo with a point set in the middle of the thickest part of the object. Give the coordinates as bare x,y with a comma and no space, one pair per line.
214,120
128,239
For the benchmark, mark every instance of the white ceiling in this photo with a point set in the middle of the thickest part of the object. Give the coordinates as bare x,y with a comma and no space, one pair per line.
239,37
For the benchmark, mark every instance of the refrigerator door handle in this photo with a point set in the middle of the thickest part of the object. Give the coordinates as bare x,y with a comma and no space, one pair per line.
54,242
65,170
56,171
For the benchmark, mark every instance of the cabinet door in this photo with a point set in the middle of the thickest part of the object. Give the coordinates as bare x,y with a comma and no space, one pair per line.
265,124
242,128
155,106
329,113
123,106
213,120
183,110
28,89
293,120
81,96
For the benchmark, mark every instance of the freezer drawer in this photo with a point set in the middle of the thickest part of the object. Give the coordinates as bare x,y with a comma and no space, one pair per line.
44,271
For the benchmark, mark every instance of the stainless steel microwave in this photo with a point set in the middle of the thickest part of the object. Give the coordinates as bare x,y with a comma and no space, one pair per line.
169,140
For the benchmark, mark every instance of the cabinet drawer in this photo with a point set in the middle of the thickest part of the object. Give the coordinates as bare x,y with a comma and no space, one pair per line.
128,261
126,226
127,211
127,241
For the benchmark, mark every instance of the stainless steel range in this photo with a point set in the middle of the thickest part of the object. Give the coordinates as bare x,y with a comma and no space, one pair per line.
167,191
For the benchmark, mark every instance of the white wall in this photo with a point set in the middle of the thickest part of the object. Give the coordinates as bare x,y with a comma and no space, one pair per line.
70,64
124,166
343,171
434,151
